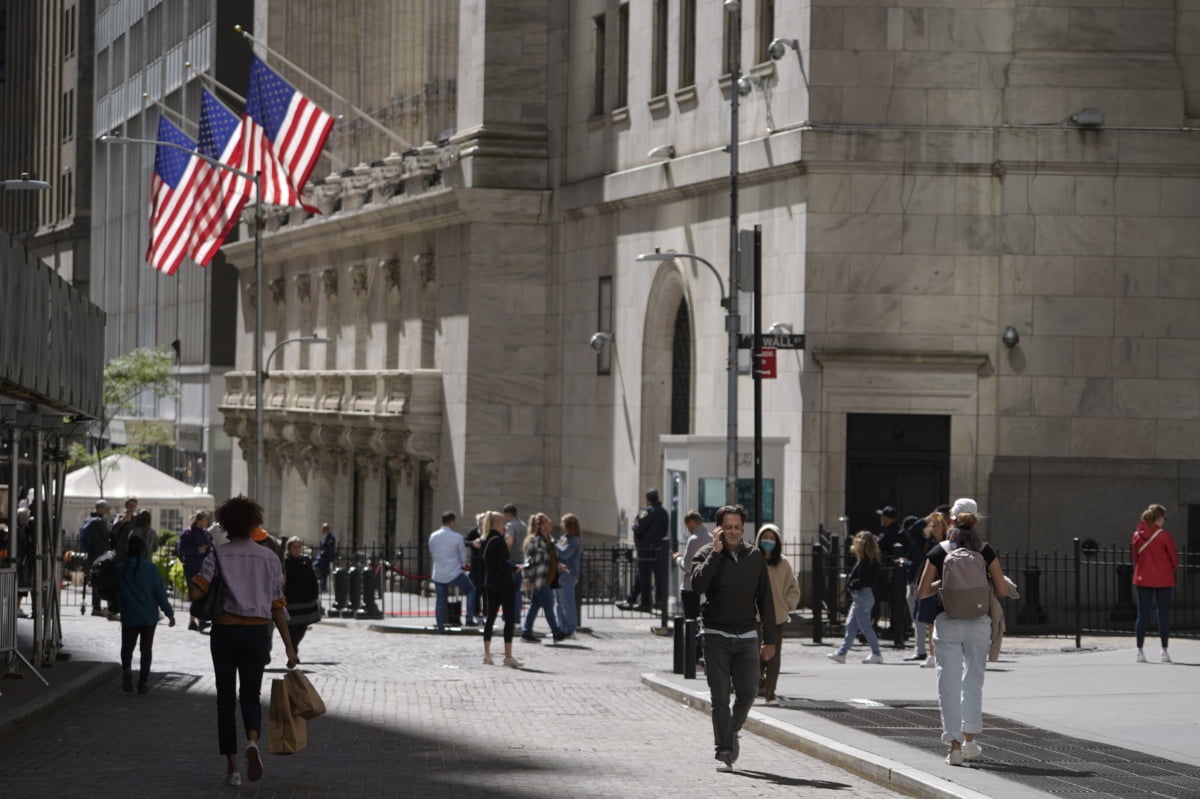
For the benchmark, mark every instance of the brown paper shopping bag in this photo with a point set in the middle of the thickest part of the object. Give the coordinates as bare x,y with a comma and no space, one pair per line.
306,702
287,733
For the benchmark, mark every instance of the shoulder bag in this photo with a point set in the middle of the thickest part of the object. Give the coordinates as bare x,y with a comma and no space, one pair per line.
212,605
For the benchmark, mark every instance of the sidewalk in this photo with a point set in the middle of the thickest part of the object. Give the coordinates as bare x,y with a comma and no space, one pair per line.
881,722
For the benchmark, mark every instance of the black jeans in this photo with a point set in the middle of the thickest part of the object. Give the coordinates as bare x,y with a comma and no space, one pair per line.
647,567
239,653
494,600
730,663
1162,603
129,637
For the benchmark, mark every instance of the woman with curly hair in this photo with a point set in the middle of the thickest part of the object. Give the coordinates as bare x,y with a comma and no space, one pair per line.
253,599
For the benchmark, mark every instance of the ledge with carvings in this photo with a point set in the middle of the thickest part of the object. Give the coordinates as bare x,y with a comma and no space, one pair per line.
388,413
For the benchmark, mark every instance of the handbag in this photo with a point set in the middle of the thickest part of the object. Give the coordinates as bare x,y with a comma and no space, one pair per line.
287,732
306,702
212,605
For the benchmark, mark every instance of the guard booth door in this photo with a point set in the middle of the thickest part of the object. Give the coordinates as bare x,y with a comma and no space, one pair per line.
895,459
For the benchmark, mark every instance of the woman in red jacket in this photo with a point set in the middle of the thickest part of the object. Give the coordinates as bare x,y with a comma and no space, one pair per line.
1154,562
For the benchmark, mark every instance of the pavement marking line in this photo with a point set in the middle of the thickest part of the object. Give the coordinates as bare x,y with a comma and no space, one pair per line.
880,770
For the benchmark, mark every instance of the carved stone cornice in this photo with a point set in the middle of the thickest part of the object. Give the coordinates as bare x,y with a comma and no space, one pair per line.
391,271
278,288
359,279
426,268
329,281
304,288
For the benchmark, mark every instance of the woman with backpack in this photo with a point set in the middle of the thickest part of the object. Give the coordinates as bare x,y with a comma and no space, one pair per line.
963,570
1154,562
141,592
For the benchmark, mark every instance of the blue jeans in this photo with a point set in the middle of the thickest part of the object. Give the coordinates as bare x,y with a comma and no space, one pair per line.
730,663
962,650
541,599
463,583
859,620
568,618
1162,603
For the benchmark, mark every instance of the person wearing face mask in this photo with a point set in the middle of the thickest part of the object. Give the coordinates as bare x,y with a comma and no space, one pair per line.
785,592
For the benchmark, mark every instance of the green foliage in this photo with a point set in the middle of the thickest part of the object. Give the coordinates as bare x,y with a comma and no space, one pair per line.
126,378
170,569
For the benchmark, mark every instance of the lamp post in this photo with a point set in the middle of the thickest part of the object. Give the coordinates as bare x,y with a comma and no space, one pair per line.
256,177
313,339
732,321
25,183
732,325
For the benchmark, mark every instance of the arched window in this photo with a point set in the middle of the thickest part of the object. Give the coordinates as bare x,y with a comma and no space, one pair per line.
681,372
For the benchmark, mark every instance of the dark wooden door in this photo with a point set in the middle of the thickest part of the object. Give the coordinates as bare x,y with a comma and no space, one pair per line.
895,459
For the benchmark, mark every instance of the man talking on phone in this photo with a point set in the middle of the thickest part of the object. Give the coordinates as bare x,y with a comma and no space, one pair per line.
732,576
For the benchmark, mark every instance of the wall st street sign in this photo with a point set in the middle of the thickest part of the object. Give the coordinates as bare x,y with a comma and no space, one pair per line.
779,341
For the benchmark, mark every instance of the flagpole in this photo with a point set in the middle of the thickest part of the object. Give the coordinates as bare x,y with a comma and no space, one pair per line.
162,109
213,82
391,134
258,340
258,282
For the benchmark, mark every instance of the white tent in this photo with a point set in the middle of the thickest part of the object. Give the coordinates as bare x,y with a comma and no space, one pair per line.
171,502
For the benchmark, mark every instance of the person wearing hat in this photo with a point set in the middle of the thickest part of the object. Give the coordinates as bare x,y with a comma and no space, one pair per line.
650,530
892,547
94,542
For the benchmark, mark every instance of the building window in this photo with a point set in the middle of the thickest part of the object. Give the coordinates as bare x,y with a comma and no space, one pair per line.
599,79
681,373
67,115
604,324
765,29
68,33
687,43
623,55
659,66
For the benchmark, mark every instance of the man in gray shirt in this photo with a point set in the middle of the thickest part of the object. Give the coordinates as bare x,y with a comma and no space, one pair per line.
514,536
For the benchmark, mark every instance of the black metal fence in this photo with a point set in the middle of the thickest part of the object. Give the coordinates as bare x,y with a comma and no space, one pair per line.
1085,591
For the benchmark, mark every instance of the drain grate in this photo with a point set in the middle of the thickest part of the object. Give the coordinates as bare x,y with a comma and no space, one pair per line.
1047,761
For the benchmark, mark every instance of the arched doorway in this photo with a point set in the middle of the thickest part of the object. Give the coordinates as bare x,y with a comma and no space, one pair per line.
667,359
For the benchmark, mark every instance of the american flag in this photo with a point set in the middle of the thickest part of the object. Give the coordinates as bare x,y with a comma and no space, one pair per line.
172,198
283,123
220,193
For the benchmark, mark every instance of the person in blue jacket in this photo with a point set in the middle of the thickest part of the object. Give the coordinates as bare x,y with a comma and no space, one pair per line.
141,595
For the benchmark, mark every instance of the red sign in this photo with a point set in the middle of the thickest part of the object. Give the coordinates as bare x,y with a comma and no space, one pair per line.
766,363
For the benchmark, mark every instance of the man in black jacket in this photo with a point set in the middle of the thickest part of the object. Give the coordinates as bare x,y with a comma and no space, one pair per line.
95,538
732,575
651,534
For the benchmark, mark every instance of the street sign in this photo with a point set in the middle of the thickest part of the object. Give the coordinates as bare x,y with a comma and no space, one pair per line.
766,363
779,341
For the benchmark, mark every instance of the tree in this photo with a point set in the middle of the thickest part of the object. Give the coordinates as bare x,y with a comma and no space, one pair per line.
126,378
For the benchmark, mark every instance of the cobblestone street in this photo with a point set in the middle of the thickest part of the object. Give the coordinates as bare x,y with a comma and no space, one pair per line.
409,715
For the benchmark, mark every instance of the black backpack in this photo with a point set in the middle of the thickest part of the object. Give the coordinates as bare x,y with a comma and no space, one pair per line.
104,576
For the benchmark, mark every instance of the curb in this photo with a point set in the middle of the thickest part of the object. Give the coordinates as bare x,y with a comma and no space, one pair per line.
410,630
879,770
57,697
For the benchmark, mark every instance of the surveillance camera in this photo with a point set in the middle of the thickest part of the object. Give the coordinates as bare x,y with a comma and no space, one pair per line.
745,86
776,49
733,5
599,339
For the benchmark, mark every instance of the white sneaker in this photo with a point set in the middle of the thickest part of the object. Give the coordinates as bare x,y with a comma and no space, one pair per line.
487,660
930,662
971,751
954,757
233,778
1141,656
836,657
1164,657
873,659
513,663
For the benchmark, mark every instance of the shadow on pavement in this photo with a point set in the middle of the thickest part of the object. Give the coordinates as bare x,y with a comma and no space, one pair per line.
793,782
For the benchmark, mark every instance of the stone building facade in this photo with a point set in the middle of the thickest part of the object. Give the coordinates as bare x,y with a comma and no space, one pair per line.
925,175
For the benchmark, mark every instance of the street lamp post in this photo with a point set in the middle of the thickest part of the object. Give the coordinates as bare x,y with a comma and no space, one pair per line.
25,183
313,339
732,325
732,321
259,220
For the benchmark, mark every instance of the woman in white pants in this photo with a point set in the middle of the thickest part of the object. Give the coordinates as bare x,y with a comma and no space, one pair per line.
962,643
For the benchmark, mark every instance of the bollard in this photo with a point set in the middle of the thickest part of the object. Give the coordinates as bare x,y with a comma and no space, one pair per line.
898,610
355,603
341,589
690,630
1031,589
369,588
1078,599
1124,610
680,644
818,591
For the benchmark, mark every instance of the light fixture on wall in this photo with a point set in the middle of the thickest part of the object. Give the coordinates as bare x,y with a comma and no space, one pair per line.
1010,337
1088,118
778,48
662,151
599,339
779,327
